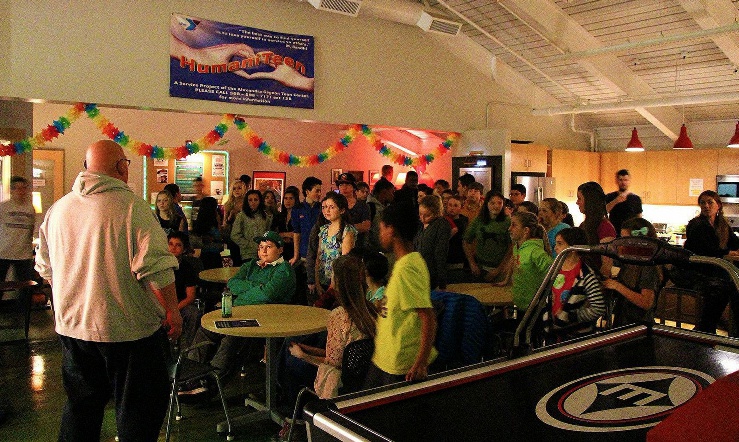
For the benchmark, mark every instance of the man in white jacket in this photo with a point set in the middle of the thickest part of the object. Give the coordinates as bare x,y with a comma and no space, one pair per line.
114,296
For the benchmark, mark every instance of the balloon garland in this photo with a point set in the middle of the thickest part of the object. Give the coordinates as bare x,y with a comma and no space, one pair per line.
58,127
46,135
108,129
154,151
403,160
289,159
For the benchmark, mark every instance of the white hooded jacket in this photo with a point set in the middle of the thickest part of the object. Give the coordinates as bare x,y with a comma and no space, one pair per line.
102,249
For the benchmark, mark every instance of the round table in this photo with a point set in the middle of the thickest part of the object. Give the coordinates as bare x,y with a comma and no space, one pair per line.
275,321
488,294
219,274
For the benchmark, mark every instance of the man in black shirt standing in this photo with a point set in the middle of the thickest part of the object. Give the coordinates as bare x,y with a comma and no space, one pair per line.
622,204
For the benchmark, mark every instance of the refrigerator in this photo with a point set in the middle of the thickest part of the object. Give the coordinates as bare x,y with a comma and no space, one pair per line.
537,185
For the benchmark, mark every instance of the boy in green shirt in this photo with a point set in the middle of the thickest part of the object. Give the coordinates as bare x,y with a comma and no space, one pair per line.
406,328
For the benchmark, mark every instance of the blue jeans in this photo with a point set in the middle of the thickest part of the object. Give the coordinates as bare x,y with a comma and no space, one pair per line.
294,373
134,373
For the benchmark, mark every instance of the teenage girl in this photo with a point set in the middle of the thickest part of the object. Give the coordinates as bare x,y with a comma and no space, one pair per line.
487,243
334,239
577,296
531,257
253,220
352,320
282,224
637,285
432,240
591,200
168,219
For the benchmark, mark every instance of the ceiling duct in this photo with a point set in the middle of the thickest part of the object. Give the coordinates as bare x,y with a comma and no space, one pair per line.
345,7
429,23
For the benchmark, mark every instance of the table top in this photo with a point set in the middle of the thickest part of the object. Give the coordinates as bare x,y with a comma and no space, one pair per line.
219,274
484,292
275,320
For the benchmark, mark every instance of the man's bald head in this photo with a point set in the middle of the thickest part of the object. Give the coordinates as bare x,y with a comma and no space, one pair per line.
106,157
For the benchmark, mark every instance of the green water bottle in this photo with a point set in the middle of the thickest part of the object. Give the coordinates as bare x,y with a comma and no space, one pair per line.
226,303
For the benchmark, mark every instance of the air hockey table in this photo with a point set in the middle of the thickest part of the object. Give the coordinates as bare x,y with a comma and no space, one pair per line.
611,386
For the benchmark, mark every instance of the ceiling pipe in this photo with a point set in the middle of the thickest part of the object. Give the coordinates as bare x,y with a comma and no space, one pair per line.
506,48
635,104
624,47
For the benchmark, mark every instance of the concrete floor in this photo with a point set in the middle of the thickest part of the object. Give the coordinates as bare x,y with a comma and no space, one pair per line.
31,391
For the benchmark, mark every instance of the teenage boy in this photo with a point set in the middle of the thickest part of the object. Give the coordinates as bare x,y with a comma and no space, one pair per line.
472,201
456,258
174,190
359,212
463,183
266,280
305,214
517,194
363,191
406,328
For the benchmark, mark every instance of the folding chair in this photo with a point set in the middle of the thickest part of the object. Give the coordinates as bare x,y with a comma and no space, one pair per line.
187,370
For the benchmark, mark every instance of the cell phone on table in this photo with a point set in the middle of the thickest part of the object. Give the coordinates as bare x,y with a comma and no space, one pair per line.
237,323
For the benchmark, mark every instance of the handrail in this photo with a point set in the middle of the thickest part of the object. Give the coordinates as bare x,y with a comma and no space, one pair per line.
630,250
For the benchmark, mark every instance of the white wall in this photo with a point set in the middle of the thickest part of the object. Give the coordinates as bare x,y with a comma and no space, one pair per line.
367,70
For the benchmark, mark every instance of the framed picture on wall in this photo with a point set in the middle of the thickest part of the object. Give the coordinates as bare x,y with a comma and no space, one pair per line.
264,180
372,177
358,174
335,176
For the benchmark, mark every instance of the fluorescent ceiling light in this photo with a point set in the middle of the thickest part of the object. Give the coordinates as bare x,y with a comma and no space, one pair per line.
422,134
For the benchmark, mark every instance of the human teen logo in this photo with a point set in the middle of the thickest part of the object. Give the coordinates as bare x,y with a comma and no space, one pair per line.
619,400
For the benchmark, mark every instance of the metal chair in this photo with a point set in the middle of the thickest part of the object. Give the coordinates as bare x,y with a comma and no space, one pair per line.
354,365
24,300
187,370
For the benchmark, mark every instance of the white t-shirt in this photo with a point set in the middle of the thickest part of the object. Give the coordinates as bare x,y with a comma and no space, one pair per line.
16,230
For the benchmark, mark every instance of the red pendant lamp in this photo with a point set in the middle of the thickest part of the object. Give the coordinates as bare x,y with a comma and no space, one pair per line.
683,142
634,144
735,139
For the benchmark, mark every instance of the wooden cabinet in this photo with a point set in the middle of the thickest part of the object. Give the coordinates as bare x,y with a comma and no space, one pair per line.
571,168
529,158
658,182
658,177
695,164
634,162
728,162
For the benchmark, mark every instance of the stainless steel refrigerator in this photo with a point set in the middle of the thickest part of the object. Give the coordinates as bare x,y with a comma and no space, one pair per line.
537,185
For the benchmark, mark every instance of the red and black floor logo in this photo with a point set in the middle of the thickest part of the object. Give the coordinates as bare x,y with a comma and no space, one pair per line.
619,400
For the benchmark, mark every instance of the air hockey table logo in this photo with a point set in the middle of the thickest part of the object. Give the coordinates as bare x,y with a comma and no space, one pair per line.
620,400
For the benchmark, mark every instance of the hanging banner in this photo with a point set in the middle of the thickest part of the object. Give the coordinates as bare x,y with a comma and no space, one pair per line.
223,62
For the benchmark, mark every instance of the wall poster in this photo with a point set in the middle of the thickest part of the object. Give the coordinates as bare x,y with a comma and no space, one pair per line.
267,180
187,170
217,61
218,166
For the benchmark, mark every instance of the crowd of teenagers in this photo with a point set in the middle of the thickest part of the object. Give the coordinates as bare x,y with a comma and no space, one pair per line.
373,257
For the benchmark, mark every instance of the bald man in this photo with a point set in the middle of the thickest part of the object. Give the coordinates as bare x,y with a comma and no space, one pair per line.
107,260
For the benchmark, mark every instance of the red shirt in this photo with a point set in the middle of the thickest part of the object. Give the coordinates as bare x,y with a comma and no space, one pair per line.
562,285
